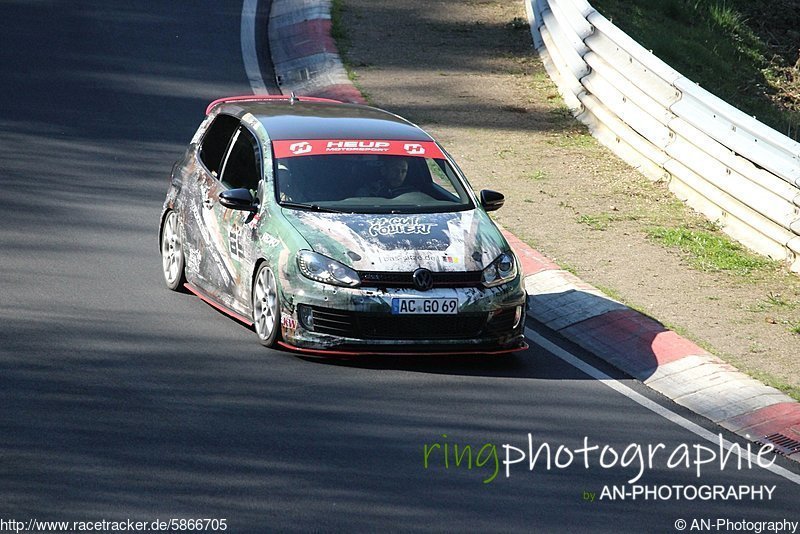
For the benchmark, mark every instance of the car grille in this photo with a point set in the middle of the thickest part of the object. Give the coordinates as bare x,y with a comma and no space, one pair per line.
371,326
337,323
502,322
421,327
403,279
368,326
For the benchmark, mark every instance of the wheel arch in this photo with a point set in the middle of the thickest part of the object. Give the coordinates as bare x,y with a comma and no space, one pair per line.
165,212
259,265
256,266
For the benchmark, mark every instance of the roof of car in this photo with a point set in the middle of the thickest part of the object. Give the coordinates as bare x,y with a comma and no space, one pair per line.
307,118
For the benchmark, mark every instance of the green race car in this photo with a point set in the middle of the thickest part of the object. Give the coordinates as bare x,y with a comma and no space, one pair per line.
338,229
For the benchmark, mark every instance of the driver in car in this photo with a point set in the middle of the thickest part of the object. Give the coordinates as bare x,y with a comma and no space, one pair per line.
392,181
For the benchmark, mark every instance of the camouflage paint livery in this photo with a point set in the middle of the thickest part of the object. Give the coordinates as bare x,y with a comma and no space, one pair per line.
224,247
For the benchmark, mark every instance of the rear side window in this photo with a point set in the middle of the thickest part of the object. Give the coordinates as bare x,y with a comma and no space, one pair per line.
215,142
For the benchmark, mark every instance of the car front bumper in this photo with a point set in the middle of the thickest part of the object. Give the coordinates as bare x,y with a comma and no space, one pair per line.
360,320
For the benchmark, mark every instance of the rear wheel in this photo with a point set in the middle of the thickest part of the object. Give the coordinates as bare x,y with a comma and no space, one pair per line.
266,311
172,260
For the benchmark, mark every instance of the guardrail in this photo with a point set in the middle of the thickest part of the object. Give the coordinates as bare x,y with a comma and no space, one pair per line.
732,168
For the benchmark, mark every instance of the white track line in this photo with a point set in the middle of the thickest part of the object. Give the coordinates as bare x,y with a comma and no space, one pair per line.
649,404
249,53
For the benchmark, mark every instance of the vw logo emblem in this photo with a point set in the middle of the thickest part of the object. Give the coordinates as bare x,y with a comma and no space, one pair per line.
423,279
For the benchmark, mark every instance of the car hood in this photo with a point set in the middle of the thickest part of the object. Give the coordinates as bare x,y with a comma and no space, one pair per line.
456,241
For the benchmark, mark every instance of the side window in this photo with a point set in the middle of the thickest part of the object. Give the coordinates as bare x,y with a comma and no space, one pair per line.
215,142
242,166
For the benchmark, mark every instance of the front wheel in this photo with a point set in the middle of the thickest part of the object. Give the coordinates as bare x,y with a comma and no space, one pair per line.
172,260
266,310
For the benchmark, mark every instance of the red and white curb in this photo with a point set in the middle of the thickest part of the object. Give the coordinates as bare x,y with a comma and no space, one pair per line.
664,361
304,54
307,63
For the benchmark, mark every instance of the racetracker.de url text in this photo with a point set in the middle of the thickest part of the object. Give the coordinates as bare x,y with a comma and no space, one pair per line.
126,525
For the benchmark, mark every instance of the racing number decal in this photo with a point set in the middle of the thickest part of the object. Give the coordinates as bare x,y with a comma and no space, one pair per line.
235,244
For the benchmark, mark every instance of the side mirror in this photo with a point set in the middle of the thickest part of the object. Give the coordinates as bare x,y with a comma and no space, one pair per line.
492,200
238,199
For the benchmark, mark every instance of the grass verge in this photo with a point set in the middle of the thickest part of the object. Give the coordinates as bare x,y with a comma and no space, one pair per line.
709,252
744,51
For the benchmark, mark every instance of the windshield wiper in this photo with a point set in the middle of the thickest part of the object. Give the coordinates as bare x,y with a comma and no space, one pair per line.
312,207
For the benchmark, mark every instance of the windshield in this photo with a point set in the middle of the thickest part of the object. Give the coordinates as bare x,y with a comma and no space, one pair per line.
367,177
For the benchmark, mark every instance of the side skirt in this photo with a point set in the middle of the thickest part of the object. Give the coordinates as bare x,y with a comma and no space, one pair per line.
218,305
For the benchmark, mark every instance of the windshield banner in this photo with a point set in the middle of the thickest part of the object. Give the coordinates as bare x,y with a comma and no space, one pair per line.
317,147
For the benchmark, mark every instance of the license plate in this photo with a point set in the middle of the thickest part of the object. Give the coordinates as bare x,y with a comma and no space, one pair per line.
418,306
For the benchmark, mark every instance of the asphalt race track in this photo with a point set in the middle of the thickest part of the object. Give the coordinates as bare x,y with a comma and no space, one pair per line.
121,399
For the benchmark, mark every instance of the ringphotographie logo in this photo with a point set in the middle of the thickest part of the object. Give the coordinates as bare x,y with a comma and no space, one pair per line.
495,461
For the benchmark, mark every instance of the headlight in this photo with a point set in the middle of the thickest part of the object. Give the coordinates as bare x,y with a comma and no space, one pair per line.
500,271
323,269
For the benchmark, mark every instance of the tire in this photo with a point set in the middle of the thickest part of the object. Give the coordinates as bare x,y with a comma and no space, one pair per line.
172,259
266,307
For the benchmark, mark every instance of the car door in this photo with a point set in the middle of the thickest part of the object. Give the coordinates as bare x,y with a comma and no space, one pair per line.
241,169
206,264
